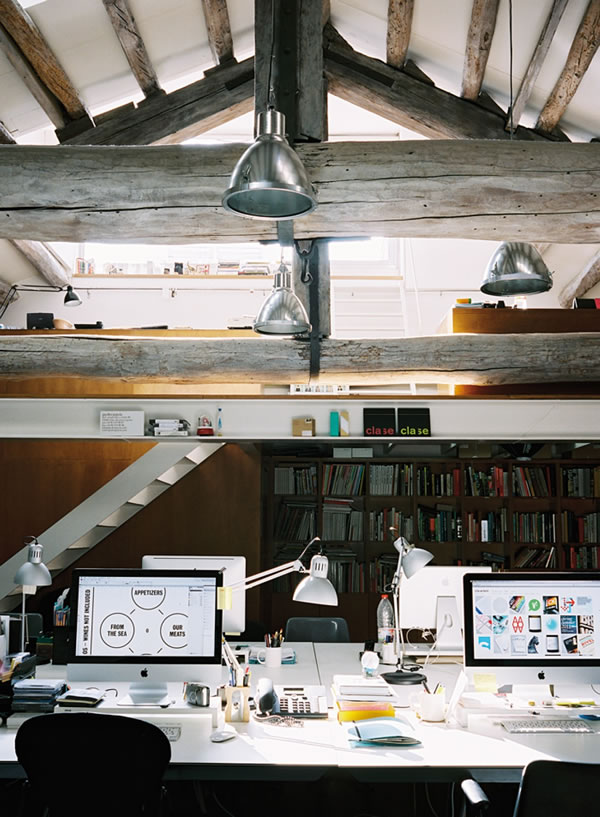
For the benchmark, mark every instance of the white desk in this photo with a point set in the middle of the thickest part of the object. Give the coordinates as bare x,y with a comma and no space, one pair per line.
277,753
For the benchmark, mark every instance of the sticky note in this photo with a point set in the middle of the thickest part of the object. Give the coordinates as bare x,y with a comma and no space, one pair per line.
224,598
485,682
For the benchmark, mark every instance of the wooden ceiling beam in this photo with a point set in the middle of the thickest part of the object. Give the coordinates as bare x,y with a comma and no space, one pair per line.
225,92
477,50
509,359
218,27
484,189
5,136
410,102
51,106
536,62
399,24
39,55
581,283
582,51
44,260
125,27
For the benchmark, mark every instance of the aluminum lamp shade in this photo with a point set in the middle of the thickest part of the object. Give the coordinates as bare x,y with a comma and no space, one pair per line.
516,268
72,298
316,587
282,313
269,181
33,572
414,560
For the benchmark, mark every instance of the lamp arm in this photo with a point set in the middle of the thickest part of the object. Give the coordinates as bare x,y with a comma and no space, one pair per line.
274,572
7,300
27,288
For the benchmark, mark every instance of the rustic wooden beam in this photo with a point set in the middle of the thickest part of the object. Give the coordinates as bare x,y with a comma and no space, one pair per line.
311,122
405,99
581,53
536,62
36,50
224,93
497,190
479,42
467,359
399,24
49,265
125,27
53,109
218,28
5,136
582,283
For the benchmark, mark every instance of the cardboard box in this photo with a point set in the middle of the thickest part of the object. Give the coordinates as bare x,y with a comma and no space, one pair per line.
303,427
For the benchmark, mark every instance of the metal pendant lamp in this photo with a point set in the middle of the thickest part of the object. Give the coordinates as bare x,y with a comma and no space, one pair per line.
516,268
269,181
282,313
72,298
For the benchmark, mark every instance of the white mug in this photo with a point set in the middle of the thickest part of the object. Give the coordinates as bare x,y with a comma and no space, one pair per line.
388,653
269,656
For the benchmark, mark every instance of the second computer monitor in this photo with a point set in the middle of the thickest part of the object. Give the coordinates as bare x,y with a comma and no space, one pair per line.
432,600
234,572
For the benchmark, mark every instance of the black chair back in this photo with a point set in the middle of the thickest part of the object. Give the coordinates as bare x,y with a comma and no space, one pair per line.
306,628
556,787
91,764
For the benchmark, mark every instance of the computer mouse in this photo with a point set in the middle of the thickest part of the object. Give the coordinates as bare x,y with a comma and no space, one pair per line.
221,735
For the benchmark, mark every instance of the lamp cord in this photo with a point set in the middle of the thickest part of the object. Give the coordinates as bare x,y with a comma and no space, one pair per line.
270,88
510,68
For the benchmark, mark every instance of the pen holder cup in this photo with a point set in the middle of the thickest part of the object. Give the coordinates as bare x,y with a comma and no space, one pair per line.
237,709
430,707
269,656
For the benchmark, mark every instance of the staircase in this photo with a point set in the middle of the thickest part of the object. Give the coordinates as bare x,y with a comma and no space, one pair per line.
106,509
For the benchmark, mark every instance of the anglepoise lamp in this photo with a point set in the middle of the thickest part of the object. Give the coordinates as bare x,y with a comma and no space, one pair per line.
31,575
269,181
410,560
516,268
315,588
282,313
71,296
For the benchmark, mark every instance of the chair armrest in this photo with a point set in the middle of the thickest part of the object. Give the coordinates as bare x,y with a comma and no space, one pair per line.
475,795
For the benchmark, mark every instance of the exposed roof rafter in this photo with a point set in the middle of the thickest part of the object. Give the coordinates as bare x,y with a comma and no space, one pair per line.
581,53
399,24
5,136
536,62
37,52
123,22
218,28
582,283
479,42
45,261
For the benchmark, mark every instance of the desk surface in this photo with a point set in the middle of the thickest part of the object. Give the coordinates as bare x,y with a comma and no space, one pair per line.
262,751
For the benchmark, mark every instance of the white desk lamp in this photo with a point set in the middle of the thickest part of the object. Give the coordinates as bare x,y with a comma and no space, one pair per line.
31,575
410,560
313,589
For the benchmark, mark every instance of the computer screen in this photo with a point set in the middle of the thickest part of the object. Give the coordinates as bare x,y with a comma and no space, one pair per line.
234,571
532,627
432,599
147,626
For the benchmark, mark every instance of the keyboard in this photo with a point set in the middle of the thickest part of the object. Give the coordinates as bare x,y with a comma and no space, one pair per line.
540,726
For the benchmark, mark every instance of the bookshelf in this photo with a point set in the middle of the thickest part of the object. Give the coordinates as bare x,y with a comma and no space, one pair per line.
510,513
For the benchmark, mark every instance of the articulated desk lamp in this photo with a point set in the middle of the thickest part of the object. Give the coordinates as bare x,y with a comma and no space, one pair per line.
315,588
31,575
410,560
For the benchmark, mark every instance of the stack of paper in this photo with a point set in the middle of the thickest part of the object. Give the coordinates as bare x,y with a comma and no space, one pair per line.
32,695
359,688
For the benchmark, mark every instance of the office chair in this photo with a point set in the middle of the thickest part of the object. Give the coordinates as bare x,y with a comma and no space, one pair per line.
306,628
93,764
547,787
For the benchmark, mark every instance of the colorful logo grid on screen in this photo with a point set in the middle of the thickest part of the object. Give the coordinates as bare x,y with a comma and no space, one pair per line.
543,624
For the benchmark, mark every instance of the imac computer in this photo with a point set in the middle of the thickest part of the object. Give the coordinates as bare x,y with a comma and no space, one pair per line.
531,628
234,572
432,600
147,627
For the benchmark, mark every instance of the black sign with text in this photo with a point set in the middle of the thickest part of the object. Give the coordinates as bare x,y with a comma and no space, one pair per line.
414,422
379,422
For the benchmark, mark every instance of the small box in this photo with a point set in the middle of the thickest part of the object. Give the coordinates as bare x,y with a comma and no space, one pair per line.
344,423
303,426
334,424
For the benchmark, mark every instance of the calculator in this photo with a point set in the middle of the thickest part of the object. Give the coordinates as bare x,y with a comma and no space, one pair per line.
301,701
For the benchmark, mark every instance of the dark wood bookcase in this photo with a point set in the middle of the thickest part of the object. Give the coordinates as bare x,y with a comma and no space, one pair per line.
513,514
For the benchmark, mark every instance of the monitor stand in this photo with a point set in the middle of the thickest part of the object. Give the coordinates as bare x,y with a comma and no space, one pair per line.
146,693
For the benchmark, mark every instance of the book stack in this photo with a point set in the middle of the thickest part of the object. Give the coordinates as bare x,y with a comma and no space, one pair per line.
32,697
359,698
169,427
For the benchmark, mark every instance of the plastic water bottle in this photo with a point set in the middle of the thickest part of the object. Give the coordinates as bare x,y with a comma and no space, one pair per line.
385,620
219,422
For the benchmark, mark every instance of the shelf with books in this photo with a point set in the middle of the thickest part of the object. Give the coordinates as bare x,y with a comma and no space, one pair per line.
534,480
580,481
486,480
438,480
394,479
343,479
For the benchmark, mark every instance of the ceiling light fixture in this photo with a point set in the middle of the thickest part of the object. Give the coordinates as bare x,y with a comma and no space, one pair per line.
269,181
516,268
282,313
